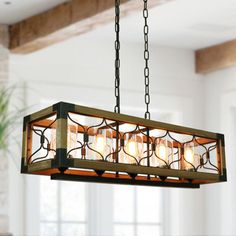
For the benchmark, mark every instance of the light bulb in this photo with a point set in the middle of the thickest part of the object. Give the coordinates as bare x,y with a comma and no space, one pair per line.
162,151
100,143
189,156
134,149
101,147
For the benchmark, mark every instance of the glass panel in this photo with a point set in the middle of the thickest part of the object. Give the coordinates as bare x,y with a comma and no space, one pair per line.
148,230
43,131
148,205
73,202
211,163
123,204
73,229
48,199
48,229
95,139
124,230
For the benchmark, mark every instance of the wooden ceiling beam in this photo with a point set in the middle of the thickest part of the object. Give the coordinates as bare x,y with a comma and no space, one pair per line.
65,21
216,57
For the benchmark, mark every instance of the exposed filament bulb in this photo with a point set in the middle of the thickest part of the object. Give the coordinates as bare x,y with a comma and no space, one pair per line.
133,149
162,151
100,144
189,156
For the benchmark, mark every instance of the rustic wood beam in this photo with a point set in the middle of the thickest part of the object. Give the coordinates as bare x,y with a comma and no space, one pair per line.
65,21
216,57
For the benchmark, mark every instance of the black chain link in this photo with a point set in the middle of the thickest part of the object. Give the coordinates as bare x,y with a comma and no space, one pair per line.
117,60
146,58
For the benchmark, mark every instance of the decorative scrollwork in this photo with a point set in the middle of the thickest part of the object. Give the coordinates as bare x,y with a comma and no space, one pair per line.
43,138
147,144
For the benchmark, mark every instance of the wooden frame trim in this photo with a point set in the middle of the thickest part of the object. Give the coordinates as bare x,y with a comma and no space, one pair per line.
216,57
73,165
61,137
143,122
126,181
66,20
42,113
38,166
127,168
134,169
123,118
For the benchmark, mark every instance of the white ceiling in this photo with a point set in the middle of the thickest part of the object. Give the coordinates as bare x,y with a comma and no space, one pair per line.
189,24
12,11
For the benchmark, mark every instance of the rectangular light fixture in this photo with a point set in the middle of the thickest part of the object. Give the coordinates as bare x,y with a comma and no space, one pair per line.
77,143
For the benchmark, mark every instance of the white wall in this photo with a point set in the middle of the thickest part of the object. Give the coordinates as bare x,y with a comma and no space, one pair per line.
81,70
220,206
4,163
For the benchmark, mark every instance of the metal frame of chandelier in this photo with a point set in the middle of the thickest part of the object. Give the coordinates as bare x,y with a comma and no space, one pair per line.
77,143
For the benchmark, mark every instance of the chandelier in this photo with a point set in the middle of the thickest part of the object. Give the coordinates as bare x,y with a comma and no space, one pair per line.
78,143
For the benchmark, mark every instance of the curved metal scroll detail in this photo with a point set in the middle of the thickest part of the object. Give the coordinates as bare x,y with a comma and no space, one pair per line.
86,144
177,152
123,147
149,142
114,152
208,160
206,154
79,142
191,164
176,155
41,134
155,154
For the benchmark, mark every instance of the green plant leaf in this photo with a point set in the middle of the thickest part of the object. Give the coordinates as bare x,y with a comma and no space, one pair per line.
6,120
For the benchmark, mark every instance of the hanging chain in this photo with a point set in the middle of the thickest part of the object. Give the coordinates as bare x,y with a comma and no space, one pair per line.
117,60
146,58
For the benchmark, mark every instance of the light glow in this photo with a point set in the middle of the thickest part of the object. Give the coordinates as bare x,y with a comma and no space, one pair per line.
163,152
132,148
189,156
100,144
